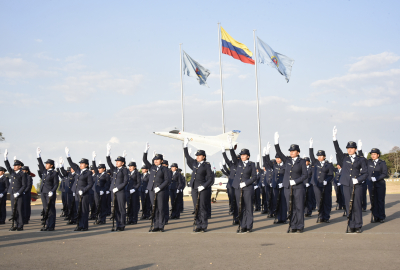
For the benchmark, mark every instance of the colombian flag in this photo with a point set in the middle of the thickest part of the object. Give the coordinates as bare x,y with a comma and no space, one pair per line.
235,49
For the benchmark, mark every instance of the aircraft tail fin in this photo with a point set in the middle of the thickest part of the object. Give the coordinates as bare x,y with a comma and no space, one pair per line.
234,134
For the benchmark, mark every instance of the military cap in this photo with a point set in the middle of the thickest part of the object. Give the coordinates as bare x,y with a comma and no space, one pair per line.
244,151
2,169
109,171
294,147
84,160
321,153
201,153
351,144
101,166
165,162
375,150
174,165
18,163
144,167
179,170
119,158
132,163
92,168
307,159
158,156
49,161
277,156
68,169
25,168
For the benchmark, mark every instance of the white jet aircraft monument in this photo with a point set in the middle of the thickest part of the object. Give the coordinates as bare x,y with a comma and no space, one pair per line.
210,144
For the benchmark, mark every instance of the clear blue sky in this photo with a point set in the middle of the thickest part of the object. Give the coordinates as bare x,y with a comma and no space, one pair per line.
78,74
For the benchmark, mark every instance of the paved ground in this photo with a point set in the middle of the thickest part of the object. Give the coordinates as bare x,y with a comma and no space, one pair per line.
322,246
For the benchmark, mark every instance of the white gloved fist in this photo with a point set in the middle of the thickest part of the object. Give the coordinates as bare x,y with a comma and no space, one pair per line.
93,156
108,149
280,185
330,159
262,184
270,185
359,145
242,185
276,138
16,195
107,192
1,195
132,190
61,161
355,181
50,193
373,179
157,189
5,154
73,194
311,143
185,142
338,184
124,153
190,151
255,187
38,152
80,192
292,182
334,133
101,192
220,165
230,143
177,191
56,165
200,188
222,148
325,183
146,191
264,151
115,190
67,152
258,158
307,184
268,148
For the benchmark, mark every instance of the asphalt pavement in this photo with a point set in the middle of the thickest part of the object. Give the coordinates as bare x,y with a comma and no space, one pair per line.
321,246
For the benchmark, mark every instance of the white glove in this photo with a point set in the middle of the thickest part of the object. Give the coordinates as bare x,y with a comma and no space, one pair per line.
38,152
292,182
200,188
230,143
108,149
373,179
222,148
157,189
190,151
56,164
258,158
73,194
264,151
50,193
276,138
223,162
1,195
255,187
262,184
311,143
16,195
359,145
330,159
280,185
185,142
220,165
181,190
334,133
80,192
67,152
5,154
146,191
107,192
307,184
355,181
325,183
15,158
270,185
115,190
242,185
93,156
101,192
61,161
338,184
132,190
177,191
154,153
124,153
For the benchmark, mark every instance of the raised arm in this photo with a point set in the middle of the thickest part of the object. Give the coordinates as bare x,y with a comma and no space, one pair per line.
234,158
39,158
227,161
278,148
71,163
189,159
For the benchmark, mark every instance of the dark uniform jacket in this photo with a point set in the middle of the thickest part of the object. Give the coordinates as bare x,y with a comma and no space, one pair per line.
119,176
4,184
84,180
159,175
18,180
202,174
296,170
50,179
278,171
244,173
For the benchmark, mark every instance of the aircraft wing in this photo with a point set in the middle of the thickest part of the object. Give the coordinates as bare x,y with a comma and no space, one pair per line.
210,149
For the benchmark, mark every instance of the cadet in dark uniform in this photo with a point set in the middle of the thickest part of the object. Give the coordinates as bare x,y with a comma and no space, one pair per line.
27,194
322,180
230,190
269,198
174,191
183,186
338,188
70,187
92,202
16,188
364,184
256,186
245,176
202,177
83,184
133,188
108,194
158,184
61,188
295,175
101,185
278,167
144,193
119,180
4,185
354,172
48,189
166,197
309,189
377,172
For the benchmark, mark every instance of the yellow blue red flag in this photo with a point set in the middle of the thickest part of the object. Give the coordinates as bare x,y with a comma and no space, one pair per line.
235,49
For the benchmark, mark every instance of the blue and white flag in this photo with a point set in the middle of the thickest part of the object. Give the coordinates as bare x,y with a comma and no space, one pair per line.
267,55
194,69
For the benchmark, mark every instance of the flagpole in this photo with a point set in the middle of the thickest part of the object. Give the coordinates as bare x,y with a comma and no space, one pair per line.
183,122
220,76
258,106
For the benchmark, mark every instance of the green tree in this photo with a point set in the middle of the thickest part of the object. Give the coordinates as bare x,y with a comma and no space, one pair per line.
1,137
188,177
218,174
